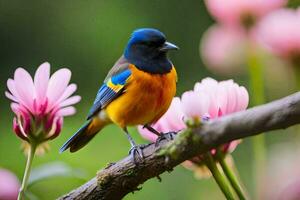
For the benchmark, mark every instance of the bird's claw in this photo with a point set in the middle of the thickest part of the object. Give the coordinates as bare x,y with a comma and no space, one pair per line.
165,136
136,152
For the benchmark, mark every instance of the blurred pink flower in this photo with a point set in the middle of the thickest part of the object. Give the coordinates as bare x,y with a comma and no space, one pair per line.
209,99
9,185
241,13
282,180
217,50
41,103
280,33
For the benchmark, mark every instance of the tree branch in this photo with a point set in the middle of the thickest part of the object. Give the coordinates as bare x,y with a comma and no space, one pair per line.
123,177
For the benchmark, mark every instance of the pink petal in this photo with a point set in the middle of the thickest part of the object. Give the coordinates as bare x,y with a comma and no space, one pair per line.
70,101
236,92
11,97
172,120
232,97
195,104
41,79
15,108
222,102
225,97
233,145
57,85
66,111
68,92
175,107
243,98
207,84
59,125
55,128
12,88
25,87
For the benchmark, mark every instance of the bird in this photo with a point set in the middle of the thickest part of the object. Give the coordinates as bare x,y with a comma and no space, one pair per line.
137,90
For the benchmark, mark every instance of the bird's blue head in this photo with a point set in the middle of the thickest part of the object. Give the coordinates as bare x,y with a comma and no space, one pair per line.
147,50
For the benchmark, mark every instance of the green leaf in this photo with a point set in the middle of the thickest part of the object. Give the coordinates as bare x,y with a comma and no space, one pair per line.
54,169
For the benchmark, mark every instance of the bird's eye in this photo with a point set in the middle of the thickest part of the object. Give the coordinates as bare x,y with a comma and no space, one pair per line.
147,43
154,43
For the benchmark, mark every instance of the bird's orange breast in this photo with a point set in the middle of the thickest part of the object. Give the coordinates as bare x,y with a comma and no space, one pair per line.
145,99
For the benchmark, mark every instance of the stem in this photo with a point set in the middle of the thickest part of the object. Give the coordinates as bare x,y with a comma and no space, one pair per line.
258,97
219,178
297,73
27,171
230,176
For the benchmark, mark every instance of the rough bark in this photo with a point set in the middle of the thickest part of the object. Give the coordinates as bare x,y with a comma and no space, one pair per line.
123,177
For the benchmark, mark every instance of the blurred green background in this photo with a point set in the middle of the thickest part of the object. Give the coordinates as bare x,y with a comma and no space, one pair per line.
88,37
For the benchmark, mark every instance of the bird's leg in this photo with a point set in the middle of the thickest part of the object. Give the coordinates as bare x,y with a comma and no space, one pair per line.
168,136
152,130
135,149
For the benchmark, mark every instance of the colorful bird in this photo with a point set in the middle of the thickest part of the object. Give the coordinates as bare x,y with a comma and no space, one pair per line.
138,90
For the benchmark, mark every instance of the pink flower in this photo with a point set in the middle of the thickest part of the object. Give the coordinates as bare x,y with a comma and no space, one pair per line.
282,179
172,120
209,99
9,185
217,52
280,33
241,13
221,98
41,103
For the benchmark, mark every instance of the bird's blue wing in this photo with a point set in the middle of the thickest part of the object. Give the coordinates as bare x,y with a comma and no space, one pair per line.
111,89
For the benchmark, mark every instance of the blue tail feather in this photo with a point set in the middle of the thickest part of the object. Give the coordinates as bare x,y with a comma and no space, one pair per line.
76,135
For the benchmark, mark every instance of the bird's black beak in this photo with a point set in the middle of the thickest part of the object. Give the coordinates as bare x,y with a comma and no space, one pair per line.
168,46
